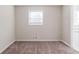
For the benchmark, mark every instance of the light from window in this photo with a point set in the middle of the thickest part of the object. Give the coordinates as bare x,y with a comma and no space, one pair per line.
35,18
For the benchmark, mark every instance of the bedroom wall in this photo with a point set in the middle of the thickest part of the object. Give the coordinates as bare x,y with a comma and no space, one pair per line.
50,30
7,27
66,24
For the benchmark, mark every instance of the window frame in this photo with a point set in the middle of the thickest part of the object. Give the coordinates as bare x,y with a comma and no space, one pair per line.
35,23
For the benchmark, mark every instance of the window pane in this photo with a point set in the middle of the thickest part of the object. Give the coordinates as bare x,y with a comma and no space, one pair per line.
35,18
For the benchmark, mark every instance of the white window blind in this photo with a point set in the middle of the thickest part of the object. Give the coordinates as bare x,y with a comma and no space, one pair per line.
35,18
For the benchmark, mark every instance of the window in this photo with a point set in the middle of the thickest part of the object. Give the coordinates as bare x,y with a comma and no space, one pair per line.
35,18
76,21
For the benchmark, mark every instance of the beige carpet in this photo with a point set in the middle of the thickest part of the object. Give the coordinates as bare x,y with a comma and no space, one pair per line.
34,47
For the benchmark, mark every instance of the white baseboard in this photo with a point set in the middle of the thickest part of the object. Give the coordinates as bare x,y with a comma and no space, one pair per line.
6,46
69,45
37,39
66,43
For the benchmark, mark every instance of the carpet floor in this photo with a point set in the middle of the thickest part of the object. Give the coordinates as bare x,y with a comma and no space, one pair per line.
36,47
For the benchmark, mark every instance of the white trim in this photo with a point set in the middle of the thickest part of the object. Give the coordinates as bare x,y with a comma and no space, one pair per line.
6,46
69,45
37,39
66,43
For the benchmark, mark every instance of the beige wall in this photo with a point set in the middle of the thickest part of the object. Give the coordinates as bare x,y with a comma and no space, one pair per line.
50,30
66,24
75,31
70,36
7,33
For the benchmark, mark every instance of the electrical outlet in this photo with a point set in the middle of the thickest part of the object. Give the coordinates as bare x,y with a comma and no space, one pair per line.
35,35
